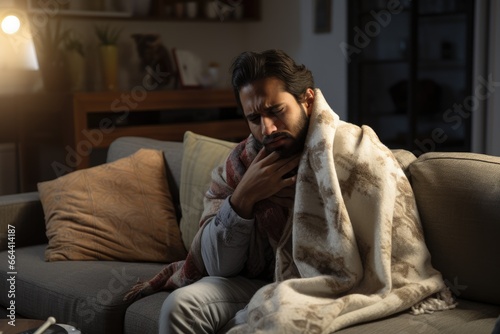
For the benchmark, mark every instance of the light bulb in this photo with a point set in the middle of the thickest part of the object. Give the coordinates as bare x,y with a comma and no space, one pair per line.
11,24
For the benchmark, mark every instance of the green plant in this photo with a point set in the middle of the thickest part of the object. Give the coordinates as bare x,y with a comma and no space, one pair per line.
73,43
108,35
48,41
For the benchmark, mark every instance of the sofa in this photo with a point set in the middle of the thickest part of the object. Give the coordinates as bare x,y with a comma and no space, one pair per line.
458,196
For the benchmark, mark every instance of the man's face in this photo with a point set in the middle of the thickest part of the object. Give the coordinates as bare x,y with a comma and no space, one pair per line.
275,118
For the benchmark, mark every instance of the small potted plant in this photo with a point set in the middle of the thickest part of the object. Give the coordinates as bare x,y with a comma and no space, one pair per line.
49,49
108,49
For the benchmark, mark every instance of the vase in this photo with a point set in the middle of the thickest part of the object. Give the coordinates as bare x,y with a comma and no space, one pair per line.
109,66
76,69
54,74
141,7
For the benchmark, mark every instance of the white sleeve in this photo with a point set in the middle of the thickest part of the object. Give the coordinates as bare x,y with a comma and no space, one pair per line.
225,241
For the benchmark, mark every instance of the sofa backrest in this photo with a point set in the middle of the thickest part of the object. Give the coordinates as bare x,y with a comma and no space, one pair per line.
458,198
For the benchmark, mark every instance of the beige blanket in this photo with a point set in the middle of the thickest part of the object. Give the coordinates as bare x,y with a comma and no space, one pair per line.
354,249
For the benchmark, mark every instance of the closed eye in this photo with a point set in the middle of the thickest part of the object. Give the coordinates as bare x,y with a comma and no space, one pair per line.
277,111
255,118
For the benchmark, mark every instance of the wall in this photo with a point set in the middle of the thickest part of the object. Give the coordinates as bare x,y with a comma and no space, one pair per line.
288,25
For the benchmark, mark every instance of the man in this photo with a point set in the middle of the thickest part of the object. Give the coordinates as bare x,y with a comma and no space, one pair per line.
316,205
278,121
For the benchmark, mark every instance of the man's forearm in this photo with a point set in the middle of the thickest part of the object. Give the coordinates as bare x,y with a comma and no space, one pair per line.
225,242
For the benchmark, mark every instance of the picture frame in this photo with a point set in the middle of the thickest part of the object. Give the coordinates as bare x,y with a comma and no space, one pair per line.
189,68
322,16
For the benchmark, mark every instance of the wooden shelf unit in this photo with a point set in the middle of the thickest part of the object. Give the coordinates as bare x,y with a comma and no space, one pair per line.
125,103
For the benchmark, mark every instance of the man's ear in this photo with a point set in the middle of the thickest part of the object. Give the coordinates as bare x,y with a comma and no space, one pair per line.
309,100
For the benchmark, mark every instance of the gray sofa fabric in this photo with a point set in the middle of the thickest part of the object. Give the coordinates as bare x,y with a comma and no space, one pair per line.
142,316
26,213
86,294
468,318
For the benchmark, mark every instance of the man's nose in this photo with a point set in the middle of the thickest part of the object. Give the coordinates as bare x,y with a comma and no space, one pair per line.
268,125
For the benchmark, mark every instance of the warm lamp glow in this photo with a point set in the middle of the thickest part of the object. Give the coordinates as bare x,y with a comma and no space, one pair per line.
18,61
11,24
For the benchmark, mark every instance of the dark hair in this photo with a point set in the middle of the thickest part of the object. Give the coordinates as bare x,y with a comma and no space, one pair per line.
251,66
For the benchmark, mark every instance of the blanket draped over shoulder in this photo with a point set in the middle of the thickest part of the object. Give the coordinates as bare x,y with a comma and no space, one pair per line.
352,249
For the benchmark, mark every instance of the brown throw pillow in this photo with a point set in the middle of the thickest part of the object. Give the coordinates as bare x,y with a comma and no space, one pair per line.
121,211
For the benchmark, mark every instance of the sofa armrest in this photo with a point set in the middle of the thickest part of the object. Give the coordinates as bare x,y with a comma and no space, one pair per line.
25,213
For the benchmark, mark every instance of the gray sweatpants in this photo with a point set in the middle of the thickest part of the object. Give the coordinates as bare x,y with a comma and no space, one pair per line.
209,305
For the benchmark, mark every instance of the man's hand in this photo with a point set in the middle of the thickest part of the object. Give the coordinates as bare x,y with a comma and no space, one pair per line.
265,179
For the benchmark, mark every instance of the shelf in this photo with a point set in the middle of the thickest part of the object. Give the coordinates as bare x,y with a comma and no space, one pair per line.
206,10
159,10
104,108
78,8
85,13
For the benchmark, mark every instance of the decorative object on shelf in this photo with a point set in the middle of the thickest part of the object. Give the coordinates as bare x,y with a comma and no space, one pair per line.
49,49
108,52
75,58
179,9
210,77
238,11
221,10
192,9
211,9
155,60
189,68
141,7
323,16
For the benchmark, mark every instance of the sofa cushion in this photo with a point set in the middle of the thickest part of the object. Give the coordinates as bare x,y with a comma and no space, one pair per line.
143,315
116,211
469,317
201,155
86,294
458,196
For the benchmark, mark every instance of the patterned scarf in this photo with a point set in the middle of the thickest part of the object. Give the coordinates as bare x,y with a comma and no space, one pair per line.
224,180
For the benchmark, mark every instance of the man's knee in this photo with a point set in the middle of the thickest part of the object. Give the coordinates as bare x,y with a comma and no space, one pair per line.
176,315
177,303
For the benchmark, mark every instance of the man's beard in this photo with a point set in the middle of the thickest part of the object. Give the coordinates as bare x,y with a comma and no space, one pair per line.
298,141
